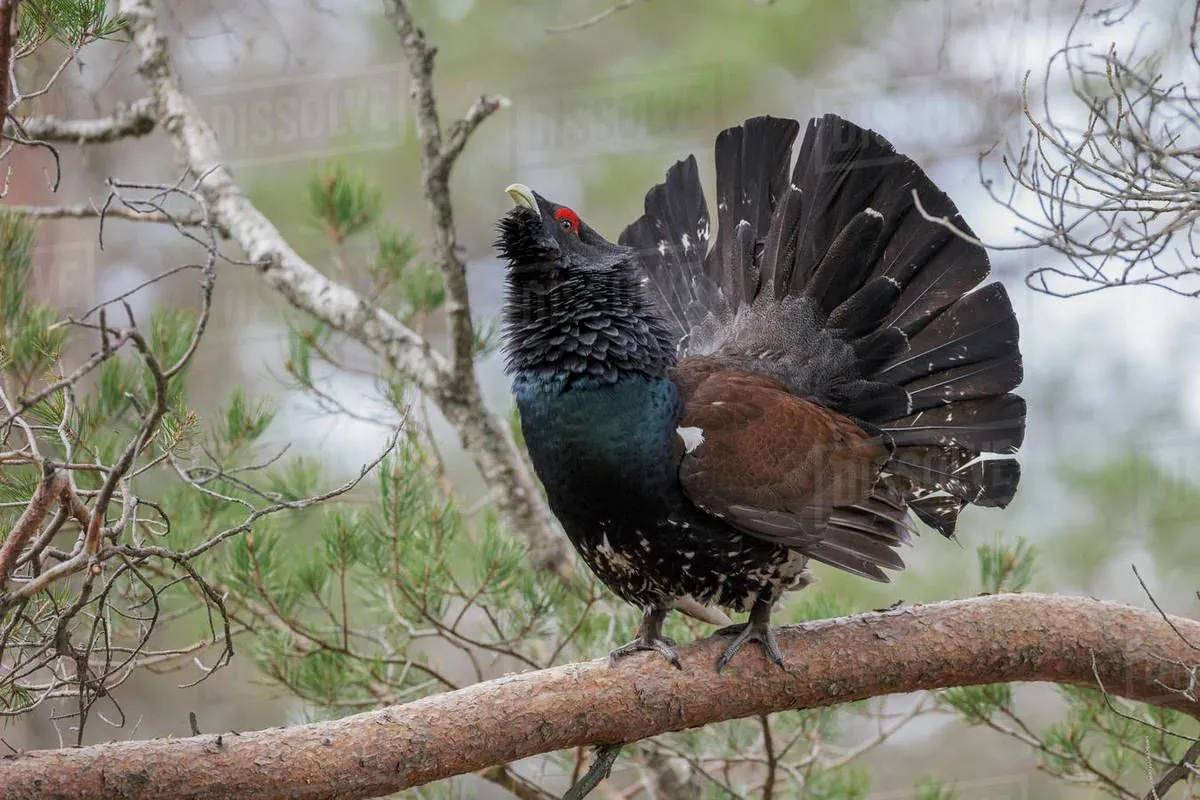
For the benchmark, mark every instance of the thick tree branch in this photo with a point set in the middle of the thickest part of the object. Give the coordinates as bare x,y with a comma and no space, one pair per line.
1131,652
483,436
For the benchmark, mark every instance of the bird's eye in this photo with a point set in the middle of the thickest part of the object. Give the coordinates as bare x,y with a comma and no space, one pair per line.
568,220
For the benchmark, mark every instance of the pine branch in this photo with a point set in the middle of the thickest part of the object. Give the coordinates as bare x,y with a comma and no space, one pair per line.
998,638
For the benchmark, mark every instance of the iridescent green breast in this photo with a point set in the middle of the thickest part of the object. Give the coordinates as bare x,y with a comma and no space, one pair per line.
601,448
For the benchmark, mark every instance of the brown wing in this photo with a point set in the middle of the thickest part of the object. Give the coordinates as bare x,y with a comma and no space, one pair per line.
787,470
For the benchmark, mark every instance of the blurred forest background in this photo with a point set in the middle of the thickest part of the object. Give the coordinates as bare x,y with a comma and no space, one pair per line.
297,89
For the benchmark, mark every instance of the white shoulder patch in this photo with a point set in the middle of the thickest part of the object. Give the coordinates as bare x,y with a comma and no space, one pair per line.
692,438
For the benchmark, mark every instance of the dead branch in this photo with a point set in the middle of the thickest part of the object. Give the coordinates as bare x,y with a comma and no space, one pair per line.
483,435
135,119
87,211
998,638
49,489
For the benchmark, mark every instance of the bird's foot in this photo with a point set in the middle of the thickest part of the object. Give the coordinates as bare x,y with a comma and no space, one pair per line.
753,631
659,644
649,637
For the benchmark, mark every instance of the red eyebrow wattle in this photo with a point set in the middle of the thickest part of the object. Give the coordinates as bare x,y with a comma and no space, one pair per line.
570,216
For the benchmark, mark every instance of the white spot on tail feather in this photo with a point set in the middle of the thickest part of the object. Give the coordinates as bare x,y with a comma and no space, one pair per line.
686,241
873,213
692,438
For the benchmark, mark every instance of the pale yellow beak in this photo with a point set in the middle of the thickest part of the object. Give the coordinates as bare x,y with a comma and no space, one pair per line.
522,196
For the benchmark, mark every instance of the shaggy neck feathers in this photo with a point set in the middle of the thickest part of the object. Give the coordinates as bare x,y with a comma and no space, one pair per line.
593,326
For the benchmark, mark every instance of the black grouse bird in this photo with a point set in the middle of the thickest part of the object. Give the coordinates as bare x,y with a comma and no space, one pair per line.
706,420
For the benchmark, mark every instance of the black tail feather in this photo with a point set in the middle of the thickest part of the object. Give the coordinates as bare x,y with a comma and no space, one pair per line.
780,246
848,262
989,425
967,382
866,400
839,170
878,348
978,327
938,512
671,240
958,472
752,169
864,311
936,275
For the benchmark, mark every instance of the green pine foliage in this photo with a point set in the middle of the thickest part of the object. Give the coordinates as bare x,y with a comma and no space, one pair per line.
73,23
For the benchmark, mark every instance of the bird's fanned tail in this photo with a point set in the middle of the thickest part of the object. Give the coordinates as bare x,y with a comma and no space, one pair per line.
835,283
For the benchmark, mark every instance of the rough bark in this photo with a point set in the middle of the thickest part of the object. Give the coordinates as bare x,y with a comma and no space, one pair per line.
1127,651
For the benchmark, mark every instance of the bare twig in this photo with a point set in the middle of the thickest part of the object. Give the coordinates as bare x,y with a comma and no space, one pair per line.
595,19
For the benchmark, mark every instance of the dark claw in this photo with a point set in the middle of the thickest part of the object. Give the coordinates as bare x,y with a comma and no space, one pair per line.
659,644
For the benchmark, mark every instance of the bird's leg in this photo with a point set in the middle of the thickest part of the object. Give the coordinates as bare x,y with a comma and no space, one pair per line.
756,629
649,637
